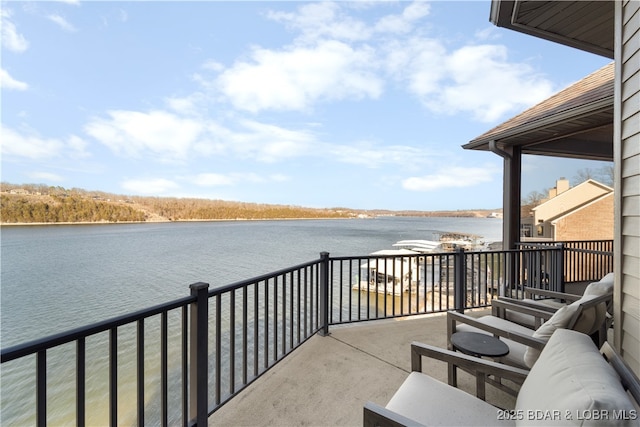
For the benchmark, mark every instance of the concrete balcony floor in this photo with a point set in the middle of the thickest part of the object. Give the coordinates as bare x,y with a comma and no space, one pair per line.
328,379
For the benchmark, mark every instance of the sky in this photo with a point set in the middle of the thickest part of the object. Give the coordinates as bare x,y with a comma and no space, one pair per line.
360,104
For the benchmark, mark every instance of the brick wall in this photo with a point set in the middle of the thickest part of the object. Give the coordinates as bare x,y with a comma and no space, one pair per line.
593,222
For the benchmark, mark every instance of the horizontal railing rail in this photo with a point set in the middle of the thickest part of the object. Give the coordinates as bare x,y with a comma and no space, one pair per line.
220,340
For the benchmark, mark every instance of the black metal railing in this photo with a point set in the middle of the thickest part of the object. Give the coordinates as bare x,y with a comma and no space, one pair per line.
40,348
583,260
213,343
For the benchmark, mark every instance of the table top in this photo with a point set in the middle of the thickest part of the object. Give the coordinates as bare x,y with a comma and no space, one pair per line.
478,344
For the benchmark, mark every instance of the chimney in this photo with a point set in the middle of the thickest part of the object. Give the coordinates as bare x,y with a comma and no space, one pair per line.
562,185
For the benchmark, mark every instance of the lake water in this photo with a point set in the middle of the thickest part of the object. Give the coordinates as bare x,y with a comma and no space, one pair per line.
55,278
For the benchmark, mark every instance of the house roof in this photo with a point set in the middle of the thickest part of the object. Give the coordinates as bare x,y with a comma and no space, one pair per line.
573,199
575,122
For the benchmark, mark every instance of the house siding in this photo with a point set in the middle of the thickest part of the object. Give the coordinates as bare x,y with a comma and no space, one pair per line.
593,222
627,190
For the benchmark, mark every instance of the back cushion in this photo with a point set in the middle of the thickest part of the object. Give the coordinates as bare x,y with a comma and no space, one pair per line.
559,320
588,322
604,286
572,380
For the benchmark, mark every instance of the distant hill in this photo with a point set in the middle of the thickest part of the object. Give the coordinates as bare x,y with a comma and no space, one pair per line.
34,203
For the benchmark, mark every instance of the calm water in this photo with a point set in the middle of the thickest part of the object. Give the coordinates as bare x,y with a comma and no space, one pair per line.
55,278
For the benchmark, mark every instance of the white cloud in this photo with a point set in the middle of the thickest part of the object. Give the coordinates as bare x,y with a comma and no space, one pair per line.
476,72
403,23
488,33
62,23
455,177
419,62
8,82
30,145
11,38
213,65
149,186
78,147
45,177
477,79
187,105
335,56
130,133
322,20
295,78
374,156
269,143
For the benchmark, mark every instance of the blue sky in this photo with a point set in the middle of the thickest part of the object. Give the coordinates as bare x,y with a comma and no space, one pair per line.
361,105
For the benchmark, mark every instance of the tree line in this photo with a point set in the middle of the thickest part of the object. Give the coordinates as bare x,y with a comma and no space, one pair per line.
37,203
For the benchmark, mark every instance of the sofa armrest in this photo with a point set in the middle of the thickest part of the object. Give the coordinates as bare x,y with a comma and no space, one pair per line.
379,416
540,314
551,294
527,303
476,364
454,317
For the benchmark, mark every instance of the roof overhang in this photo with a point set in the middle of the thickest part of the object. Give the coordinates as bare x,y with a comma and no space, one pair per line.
578,121
585,25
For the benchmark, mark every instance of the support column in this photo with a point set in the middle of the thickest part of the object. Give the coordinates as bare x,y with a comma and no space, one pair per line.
512,195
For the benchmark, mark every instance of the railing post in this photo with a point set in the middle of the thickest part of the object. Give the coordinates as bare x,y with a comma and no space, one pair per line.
559,267
459,280
324,293
198,373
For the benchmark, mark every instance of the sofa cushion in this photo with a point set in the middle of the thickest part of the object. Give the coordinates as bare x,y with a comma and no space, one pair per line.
587,323
603,287
433,403
571,379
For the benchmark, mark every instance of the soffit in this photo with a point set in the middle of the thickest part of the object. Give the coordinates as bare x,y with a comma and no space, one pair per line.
586,25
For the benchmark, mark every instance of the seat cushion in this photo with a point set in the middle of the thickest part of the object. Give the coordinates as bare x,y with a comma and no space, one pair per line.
434,403
516,350
572,379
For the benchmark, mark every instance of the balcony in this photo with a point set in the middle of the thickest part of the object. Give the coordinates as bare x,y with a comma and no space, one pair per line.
328,379
336,331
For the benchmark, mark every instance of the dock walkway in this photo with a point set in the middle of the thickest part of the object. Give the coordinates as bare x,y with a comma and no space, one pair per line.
327,381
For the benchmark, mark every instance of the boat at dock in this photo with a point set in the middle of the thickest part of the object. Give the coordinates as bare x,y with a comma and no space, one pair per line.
412,264
393,273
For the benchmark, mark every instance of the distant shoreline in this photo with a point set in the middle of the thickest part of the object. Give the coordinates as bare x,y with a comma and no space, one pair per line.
433,214
10,224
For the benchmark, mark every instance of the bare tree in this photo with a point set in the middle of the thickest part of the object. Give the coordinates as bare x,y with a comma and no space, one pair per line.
603,175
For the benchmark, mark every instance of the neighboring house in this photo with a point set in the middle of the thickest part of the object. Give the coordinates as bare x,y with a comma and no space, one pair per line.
600,123
583,212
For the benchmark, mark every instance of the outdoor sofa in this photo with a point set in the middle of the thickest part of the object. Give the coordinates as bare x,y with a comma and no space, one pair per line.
570,384
588,315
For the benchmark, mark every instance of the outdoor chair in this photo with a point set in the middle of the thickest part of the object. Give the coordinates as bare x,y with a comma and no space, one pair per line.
549,301
571,384
586,315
